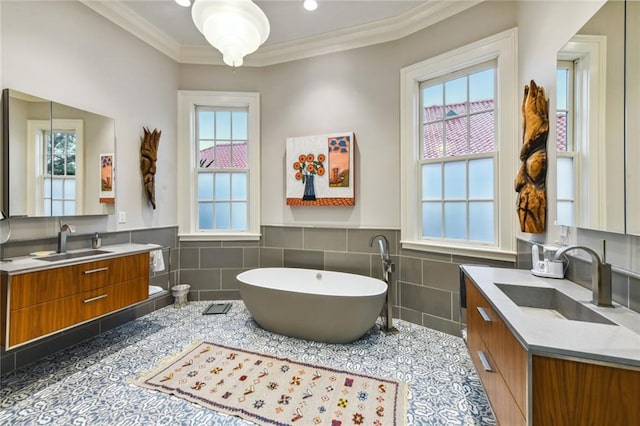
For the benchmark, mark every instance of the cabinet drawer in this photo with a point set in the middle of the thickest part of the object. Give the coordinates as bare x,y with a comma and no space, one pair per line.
104,300
51,284
502,402
510,358
39,320
477,319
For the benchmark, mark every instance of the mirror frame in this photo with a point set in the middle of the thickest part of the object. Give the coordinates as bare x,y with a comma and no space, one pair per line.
632,117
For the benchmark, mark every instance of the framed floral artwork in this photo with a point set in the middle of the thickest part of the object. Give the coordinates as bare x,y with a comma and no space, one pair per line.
106,179
319,170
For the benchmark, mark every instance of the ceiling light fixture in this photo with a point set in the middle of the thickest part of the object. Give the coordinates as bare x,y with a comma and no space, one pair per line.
310,4
184,3
234,27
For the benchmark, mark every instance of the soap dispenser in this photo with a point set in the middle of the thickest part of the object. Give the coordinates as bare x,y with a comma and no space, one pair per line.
544,267
96,241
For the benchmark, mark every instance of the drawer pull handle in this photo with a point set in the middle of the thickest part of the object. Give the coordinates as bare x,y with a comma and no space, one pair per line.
93,299
485,316
91,271
484,361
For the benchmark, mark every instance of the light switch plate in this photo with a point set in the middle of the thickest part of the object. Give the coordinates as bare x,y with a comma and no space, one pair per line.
122,217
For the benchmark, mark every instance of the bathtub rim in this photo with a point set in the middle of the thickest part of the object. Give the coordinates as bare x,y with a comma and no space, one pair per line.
382,286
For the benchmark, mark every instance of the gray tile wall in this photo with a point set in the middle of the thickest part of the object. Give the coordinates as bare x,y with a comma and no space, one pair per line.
165,237
425,286
210,267
429,288
625,286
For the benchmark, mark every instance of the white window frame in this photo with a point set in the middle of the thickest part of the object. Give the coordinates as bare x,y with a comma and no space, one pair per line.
589,54
35,162
502,48
188,168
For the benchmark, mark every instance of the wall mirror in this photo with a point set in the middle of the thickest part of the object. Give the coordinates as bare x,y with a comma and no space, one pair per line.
632,117
52,155
590,108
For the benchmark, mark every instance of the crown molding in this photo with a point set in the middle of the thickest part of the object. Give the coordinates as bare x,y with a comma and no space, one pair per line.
123,16
416,19
420,17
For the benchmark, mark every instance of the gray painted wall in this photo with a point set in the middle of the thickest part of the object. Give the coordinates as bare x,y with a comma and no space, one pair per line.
66,52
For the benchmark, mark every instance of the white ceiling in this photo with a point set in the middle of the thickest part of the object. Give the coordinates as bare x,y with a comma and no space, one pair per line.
295,32
288,19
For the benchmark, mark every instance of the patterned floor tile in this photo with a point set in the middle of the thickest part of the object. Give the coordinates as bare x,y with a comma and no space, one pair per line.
89,383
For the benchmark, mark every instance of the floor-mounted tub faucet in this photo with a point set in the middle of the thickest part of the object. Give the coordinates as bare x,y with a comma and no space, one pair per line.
62,236
387,269
600,274
383,243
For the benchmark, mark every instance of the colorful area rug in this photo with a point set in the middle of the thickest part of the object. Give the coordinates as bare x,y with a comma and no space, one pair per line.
268,390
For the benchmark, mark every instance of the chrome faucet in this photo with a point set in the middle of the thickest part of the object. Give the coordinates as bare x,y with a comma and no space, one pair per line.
383,243
600,273
62,236
387,268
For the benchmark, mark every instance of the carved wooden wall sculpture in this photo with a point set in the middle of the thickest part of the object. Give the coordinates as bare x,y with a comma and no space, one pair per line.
530,182
148,157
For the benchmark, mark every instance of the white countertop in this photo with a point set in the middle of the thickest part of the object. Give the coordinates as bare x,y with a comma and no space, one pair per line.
24,264
618,343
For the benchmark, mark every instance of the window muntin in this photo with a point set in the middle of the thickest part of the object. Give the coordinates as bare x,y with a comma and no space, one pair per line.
458,155
222,172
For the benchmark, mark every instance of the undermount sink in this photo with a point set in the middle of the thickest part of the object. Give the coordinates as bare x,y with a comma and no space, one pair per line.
550,302
72,255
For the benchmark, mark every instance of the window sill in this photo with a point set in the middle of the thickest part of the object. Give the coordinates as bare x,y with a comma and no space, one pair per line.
219,237
483,252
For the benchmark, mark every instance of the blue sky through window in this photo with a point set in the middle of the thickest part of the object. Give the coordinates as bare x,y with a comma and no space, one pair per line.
562,76
480,87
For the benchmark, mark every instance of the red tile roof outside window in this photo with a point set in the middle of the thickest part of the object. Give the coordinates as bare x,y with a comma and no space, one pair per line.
561,132
481,125
223,155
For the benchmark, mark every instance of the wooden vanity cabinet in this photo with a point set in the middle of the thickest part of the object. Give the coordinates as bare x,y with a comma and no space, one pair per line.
572,392
43,302
499,358
535,389
3,307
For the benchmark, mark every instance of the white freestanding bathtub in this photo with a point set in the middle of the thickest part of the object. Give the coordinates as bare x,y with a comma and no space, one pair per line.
324,306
